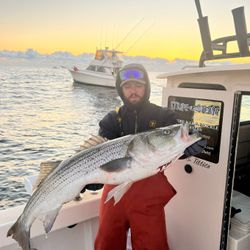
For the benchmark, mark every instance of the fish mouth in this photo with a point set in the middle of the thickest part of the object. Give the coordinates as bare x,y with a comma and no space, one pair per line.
189,134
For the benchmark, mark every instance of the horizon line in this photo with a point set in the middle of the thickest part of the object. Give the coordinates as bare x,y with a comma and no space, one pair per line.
33,53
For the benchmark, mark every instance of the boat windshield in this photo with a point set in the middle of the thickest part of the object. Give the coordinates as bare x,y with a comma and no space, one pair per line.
113,55
99,55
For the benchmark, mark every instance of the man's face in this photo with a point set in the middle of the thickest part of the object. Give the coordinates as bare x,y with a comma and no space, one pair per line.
133,92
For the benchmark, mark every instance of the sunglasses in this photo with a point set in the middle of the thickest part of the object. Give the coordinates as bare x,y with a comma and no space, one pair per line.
127,74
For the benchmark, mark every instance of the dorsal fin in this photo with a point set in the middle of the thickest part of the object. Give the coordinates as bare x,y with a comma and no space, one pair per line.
45,169
92,141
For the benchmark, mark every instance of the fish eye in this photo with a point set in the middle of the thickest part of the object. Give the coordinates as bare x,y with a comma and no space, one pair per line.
166,131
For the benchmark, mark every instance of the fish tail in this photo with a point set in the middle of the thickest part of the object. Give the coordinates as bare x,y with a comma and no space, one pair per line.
20,234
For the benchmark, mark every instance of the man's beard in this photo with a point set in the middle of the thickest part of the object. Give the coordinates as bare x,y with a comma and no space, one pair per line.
138,100
134,106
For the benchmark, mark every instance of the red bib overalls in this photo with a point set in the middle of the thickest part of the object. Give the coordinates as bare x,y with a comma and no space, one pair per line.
142,210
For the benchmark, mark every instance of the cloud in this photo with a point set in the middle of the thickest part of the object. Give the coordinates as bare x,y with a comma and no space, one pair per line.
29,53
67,59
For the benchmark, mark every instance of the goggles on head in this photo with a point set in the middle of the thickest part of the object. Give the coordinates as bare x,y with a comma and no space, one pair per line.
128,74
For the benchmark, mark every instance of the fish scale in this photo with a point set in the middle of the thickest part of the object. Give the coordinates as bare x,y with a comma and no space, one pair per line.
82,164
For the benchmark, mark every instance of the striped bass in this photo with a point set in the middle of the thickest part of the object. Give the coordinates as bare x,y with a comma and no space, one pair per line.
120,161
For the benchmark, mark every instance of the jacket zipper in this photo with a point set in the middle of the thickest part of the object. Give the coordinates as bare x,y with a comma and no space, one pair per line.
136,121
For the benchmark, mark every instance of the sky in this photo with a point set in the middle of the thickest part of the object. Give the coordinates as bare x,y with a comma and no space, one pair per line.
153,28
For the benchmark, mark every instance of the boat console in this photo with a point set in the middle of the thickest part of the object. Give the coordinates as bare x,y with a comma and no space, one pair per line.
210,100
211,208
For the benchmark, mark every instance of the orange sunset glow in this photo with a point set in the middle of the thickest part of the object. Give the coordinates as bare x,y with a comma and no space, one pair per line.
156,29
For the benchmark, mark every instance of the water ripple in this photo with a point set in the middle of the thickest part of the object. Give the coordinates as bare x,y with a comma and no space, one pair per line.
43,116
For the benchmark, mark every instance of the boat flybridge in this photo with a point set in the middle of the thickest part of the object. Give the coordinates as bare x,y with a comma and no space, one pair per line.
211,210
102,69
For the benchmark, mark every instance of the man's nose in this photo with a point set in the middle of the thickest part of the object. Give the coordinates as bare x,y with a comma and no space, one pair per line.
133,89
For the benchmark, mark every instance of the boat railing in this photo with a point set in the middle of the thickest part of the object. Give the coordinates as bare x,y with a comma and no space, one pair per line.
221,44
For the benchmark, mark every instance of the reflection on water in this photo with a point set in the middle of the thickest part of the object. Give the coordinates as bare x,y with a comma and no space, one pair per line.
43,116
100,97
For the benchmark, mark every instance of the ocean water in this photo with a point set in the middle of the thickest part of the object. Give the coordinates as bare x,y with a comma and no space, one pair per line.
44,116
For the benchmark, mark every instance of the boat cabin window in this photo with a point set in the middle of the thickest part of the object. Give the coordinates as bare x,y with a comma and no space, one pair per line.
110,55
100,69
113,55
242,169
91,67
202,115
210,86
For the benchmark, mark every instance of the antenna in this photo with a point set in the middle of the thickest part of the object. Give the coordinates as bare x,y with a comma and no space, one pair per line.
113,37
128,34
105,44
198,7
140,37
101,37
205,32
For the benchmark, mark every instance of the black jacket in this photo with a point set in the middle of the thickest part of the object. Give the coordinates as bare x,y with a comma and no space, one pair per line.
126,121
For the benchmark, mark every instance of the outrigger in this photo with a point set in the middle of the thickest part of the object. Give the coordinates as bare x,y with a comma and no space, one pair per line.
211,187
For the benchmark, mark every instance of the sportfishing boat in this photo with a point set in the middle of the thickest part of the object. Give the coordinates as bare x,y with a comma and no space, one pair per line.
102,70
211,208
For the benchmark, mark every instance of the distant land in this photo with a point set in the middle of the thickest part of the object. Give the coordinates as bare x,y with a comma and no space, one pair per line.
67,59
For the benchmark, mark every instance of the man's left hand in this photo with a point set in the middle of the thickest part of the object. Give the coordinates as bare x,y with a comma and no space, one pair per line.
194,149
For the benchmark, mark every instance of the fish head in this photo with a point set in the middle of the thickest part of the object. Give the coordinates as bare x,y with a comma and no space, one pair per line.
173,138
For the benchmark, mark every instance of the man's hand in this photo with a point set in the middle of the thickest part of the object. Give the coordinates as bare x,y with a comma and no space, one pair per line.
194,149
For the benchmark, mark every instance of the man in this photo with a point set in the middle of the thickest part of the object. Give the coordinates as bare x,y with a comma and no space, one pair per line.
142,207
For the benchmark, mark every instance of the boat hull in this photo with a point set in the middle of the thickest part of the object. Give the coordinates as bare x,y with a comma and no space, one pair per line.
93,78
75,227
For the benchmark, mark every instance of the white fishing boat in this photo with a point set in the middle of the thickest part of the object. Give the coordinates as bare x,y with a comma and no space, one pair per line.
101,71
208,185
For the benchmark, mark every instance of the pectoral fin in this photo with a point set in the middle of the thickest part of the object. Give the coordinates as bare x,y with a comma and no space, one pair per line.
117,165
118,191
49,219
